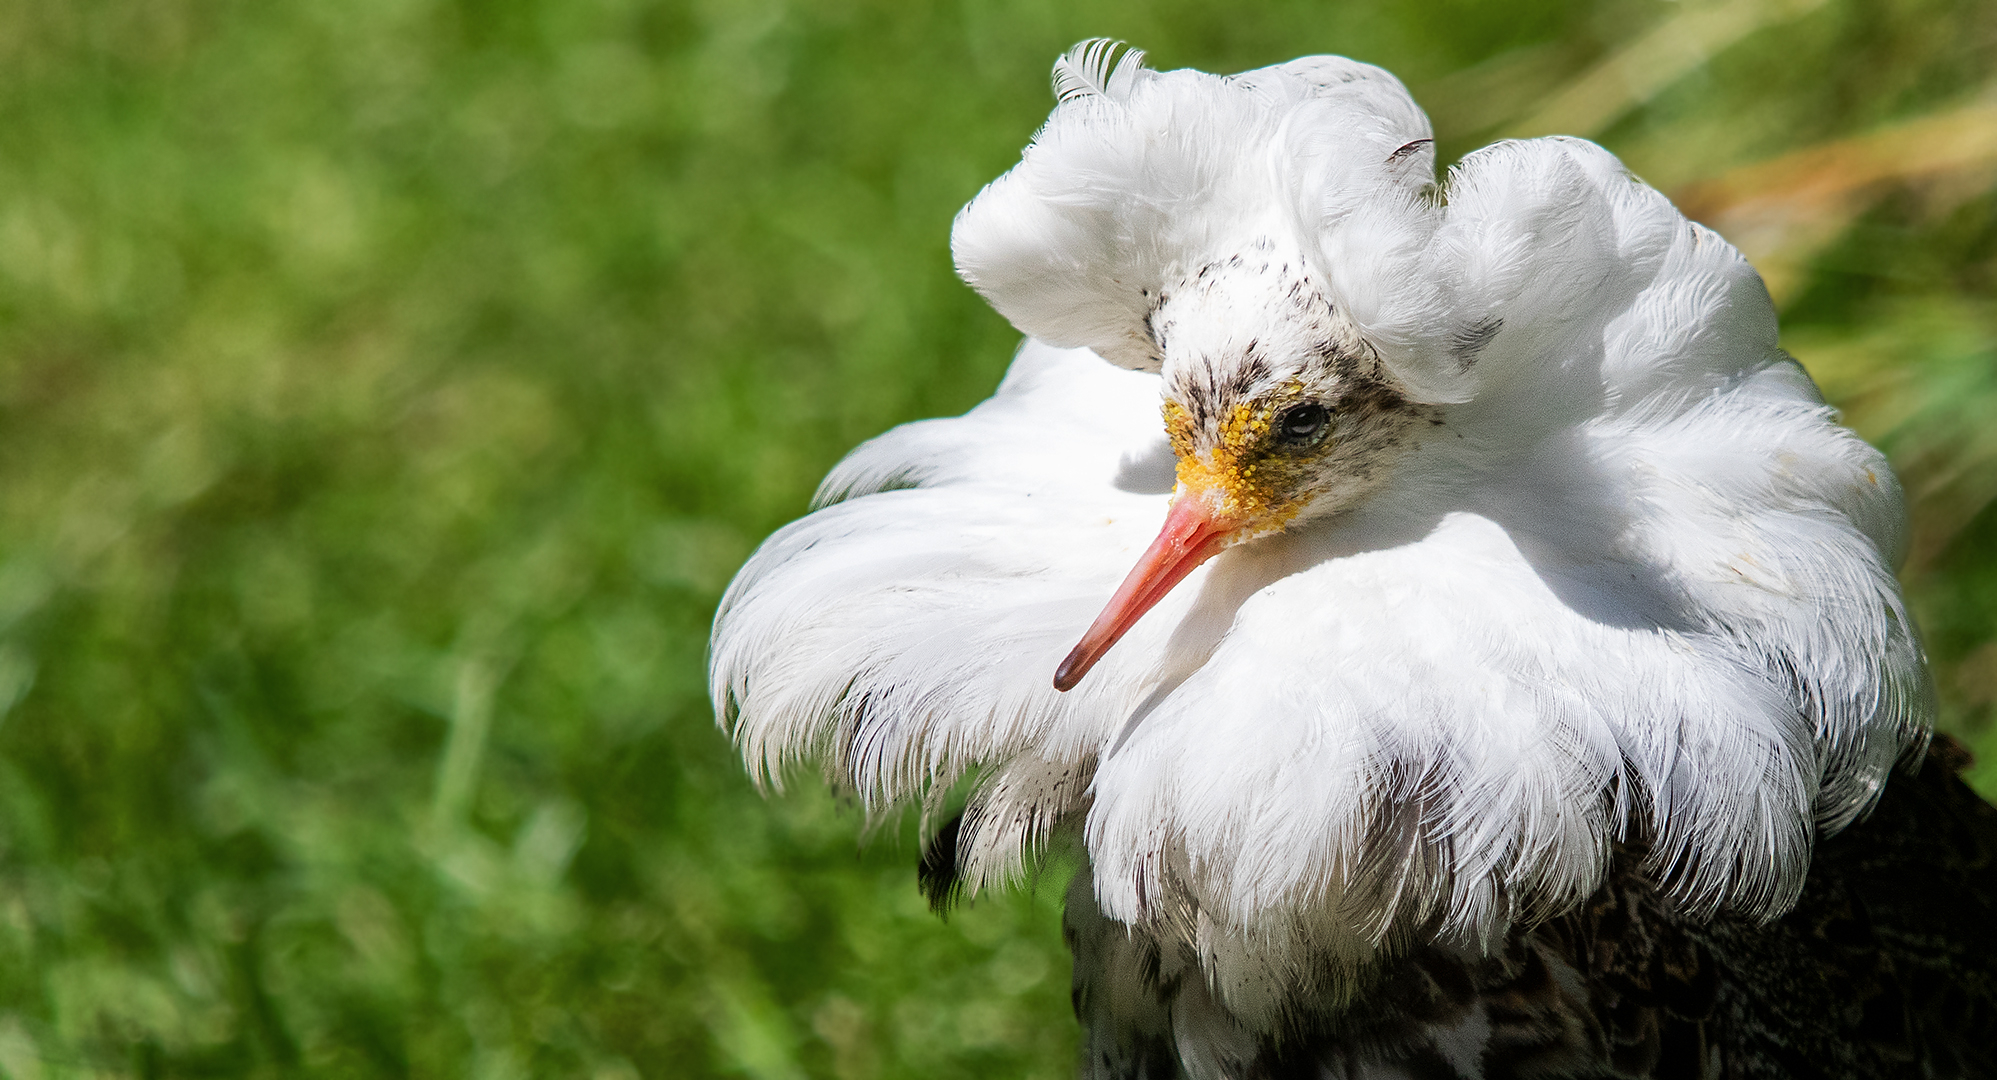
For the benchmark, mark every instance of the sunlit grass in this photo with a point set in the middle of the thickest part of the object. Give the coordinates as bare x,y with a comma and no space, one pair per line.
387,390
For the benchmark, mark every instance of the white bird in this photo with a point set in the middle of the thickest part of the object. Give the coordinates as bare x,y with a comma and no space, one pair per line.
1510,617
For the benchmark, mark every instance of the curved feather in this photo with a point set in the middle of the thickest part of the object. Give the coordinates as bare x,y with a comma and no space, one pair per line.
1098,67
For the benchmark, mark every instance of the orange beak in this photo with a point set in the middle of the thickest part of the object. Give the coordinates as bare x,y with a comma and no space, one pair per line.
1191,536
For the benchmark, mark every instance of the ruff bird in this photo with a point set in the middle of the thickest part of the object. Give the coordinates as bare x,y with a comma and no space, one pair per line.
1512,675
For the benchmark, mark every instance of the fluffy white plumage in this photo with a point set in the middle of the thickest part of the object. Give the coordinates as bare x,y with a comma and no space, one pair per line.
1625,578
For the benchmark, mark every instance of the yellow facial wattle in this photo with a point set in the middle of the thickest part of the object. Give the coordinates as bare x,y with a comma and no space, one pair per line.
1241,472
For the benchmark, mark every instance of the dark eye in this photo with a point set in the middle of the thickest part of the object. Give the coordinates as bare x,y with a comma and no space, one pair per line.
1301,424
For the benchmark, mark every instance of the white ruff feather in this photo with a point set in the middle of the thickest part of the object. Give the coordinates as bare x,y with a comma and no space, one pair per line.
1636,584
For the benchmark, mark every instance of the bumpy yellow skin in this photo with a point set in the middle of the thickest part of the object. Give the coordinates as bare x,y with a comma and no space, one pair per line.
1245,475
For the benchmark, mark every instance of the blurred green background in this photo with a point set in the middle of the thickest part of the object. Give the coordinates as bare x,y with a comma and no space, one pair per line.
389,388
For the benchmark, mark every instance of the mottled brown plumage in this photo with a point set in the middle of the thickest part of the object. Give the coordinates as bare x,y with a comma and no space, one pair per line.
1886,967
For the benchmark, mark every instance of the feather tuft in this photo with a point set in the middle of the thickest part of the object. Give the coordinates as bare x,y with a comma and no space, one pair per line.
1099,67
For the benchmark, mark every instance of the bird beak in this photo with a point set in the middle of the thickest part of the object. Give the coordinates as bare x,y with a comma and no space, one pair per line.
1193,533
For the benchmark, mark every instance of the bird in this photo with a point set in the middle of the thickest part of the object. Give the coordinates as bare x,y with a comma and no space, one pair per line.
1451,635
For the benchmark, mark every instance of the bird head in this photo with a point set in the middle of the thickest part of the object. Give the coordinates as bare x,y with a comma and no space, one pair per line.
1278,413
1195,226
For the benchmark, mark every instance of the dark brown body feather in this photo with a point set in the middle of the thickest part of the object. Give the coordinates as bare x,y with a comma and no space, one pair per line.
1887,967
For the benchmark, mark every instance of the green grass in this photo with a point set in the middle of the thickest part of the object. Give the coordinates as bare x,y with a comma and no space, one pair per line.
388,389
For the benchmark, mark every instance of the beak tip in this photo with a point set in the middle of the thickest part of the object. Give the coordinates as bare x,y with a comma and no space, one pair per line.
1069,674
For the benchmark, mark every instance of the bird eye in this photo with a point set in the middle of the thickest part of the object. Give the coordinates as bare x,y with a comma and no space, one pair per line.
1302,423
